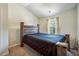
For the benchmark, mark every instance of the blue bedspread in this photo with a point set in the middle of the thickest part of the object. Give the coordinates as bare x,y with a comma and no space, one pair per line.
48,37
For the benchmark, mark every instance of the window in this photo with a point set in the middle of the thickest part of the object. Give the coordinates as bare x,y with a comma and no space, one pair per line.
51,26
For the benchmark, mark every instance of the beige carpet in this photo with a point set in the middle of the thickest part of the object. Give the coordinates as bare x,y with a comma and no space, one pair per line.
25,51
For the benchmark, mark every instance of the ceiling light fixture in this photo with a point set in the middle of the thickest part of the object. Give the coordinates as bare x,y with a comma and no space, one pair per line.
49,11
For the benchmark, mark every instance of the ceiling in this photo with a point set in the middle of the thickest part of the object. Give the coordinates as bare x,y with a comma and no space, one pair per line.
47,9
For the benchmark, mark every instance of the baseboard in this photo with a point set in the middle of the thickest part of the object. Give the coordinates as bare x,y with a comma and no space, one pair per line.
13,45
5,53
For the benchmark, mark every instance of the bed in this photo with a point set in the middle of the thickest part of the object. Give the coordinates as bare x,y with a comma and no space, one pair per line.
43,43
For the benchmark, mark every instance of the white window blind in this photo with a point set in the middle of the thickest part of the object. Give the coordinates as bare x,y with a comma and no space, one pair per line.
53,26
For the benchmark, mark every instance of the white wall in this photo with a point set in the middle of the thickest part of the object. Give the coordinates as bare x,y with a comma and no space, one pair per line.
3,29
16,14
68,23
78,22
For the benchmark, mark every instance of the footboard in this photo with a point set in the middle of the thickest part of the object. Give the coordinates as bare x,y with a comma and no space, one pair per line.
62,47
67,40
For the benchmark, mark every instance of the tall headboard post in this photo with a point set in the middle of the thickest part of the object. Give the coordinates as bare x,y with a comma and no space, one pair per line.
21,33
38,28
67,40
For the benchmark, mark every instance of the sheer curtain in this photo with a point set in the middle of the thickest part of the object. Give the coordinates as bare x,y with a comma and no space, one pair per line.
53,26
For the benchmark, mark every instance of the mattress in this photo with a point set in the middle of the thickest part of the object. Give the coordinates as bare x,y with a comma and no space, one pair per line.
47,37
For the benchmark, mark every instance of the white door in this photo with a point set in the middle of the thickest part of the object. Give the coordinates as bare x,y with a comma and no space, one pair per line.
3,29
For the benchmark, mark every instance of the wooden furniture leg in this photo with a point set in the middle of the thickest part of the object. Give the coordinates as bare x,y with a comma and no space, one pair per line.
21,33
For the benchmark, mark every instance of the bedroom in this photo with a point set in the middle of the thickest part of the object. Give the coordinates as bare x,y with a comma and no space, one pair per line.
42,14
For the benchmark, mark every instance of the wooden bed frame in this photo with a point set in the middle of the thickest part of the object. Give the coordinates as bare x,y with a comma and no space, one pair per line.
67,39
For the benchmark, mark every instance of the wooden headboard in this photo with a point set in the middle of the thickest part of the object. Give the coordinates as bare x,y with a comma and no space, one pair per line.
22,26
27,29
